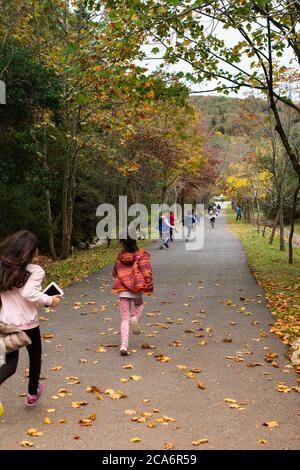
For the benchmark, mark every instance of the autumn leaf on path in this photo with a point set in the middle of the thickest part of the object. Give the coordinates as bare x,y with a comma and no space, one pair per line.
26,444
47,336
165,419
271,424
148,346
56,368
93,389
115,395
283,388
162,358
130,412
137,419
181,366
151,425
201,386
227,340
47,420
88,421
168,445
78,404
136,377
201,441
270,356
262,441
190,375
135,439
34,432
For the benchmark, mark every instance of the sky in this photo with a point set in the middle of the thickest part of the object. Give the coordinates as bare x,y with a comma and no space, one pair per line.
231,37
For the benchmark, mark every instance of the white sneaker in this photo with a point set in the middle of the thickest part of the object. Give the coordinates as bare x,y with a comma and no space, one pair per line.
135,325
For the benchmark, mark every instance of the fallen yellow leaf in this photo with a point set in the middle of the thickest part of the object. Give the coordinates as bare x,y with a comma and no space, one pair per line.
262,441
271,424
130,412
201,385
162,358
78,404
135,439
201,441
168,445
26,444
34,432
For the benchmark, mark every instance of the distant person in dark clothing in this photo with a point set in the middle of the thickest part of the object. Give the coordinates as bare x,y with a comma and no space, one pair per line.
238,211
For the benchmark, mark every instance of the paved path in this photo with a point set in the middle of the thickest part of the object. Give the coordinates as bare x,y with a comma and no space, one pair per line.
189,307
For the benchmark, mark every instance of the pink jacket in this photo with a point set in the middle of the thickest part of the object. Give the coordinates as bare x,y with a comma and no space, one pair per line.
19,306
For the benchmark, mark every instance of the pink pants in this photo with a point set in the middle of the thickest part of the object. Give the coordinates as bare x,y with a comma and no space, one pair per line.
125,315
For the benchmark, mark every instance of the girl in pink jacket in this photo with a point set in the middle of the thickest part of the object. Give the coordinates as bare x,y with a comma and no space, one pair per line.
20,294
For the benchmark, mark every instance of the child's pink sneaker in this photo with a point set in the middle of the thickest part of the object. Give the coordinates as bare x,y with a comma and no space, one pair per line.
31,400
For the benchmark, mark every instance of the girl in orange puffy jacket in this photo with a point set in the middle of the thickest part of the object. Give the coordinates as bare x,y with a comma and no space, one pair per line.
133,278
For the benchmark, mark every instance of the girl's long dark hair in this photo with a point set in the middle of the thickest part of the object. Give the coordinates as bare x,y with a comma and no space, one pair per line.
129,244
16,252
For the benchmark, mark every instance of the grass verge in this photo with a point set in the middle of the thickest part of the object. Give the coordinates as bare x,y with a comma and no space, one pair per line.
280,280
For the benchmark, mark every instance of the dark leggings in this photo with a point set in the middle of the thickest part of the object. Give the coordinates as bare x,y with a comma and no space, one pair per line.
35,361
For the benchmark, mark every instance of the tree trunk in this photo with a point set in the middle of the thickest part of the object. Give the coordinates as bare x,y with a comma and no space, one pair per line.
50,229
163,194
252,216
281,224
275,222
293,214
182,205
258,215
68,199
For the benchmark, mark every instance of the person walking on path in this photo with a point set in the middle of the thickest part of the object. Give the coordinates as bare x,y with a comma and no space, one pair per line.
20,294
189,221
164,229
238,211
133,278
212,218
172,223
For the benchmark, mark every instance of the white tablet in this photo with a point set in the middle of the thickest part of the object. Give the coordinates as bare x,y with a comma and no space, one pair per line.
53,289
